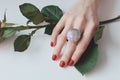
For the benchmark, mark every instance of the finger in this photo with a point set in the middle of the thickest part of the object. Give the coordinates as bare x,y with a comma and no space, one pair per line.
83,43
58,48
60,25
61,40
70,48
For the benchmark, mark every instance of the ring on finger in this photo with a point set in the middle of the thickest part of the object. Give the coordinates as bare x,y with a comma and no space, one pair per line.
73,35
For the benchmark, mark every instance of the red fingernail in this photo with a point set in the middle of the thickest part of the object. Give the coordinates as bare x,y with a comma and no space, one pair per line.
54,57
51,44
71,63
62,64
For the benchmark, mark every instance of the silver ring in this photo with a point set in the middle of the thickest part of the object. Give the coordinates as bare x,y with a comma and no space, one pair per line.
73,35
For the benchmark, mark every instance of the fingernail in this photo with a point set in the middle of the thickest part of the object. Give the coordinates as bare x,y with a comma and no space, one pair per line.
62,64
51,44
71,63
54,57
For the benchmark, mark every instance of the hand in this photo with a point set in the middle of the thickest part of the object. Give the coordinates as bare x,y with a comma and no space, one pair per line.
82,16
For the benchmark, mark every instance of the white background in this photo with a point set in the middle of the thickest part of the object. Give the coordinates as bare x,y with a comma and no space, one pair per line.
36,64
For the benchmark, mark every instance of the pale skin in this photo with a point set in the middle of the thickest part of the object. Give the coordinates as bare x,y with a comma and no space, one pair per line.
82,16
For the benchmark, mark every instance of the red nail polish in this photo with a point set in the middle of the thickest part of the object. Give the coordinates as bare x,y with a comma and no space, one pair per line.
54,57
51,44
71,63
62,64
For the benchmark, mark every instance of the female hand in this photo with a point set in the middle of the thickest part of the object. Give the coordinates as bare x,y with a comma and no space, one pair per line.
82,16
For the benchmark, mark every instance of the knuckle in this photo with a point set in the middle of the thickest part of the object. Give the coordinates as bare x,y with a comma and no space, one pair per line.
56,30
66,15
66,56
76,56
82,47
56,50
81,17
62,36
69,15
86,39
94,22
94,25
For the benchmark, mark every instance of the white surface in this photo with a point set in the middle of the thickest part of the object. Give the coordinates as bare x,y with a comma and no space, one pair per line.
36,63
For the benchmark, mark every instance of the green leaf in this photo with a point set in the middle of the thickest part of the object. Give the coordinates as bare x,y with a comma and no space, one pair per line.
28,10
7,32
98,33
22,43
37,19
32,13
54,13
49,29
88,59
